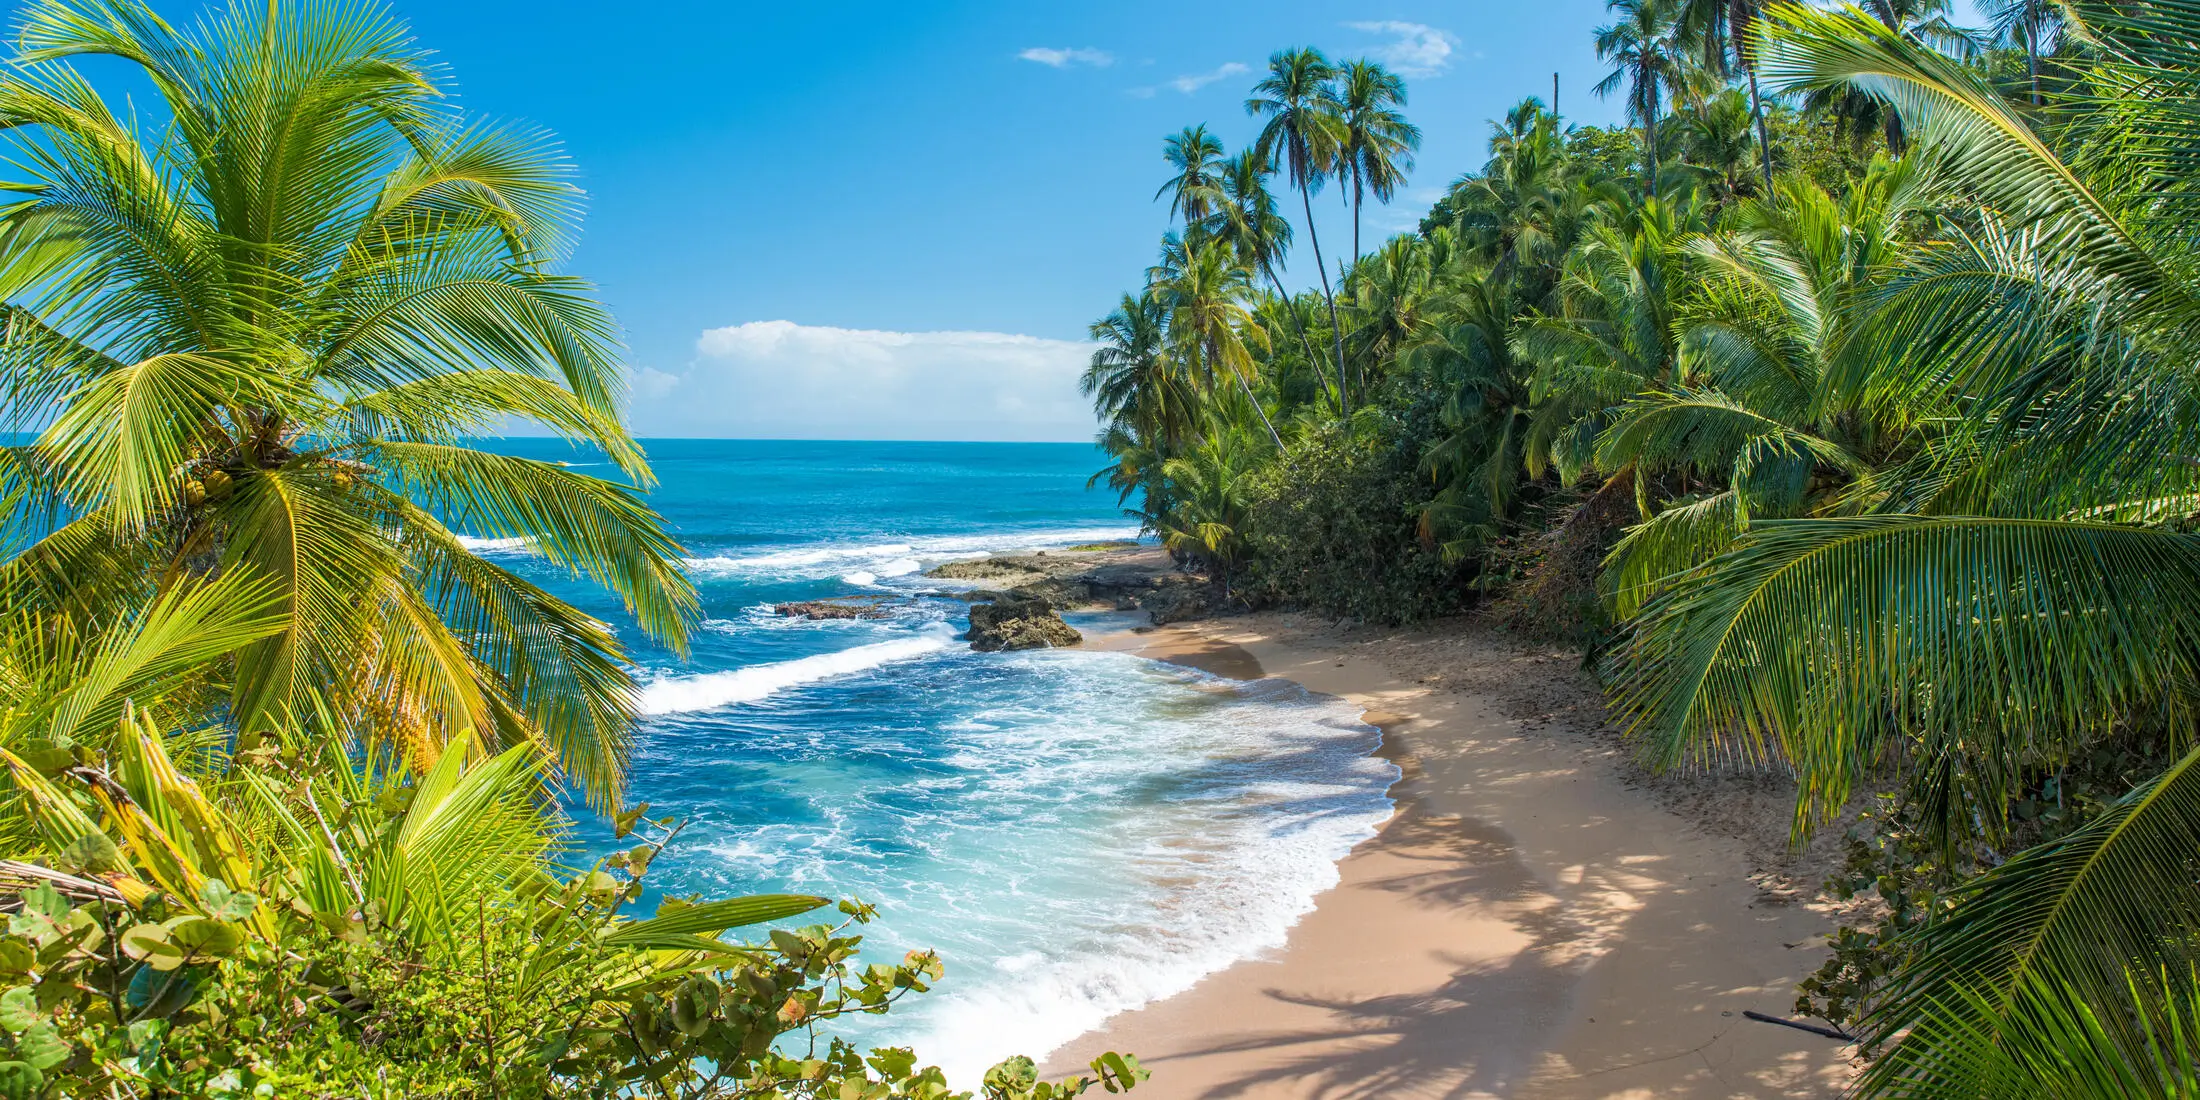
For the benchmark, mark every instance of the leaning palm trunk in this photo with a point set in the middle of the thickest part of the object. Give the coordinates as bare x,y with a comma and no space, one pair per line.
1336,330
1306,343
1247,388
1764,136
1356,199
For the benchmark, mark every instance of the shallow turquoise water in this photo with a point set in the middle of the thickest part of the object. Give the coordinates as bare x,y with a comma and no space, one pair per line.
1076,832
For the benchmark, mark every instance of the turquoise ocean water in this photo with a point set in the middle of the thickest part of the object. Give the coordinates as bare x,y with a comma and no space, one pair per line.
1078,833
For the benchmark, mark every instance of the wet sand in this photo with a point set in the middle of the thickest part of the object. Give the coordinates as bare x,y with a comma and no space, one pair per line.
1532,922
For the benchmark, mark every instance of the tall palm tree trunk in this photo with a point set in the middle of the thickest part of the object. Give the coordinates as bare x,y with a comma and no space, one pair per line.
1306,342
1247,388
1356,197
1214,353
1764,137
1321,267
2032,62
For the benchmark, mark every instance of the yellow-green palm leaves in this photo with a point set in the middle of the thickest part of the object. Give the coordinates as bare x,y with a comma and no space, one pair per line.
1771,421
263,336
2015,620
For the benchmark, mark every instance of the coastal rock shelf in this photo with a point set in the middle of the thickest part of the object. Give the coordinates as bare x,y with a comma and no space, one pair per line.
1131,578
1019,624
846,607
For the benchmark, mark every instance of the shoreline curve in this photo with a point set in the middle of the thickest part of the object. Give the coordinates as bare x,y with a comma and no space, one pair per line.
1529,922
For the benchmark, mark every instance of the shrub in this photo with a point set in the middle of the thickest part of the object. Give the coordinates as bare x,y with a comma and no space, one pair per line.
1334,526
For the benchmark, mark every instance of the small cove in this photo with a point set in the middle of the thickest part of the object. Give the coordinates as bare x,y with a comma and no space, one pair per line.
1077,832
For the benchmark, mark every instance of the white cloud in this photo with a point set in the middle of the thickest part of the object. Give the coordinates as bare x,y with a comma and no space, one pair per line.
779,379
1064,58
651,383
1415,49
1196,81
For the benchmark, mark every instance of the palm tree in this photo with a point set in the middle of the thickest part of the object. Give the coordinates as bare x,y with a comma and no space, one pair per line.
1614,336
1715,139
1521,214
1726,32
2030,25
1134,381
1646,58
1206,519
1387,296
1770,421
1196,188
1378,143
1303,138
1923,23
262,340
2035,592
1204,291
1467,351
1249,223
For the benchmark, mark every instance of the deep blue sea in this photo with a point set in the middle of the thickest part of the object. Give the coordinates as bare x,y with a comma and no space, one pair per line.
1077,832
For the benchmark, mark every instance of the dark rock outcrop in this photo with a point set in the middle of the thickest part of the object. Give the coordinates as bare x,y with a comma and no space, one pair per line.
1057,592
1132,578
1176,603
1019,624
966,595
851,607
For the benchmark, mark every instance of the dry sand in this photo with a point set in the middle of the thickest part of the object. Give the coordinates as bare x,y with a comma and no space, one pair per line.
1536,920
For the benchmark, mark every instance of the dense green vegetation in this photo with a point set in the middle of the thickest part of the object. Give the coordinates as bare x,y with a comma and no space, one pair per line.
1843,405
280,758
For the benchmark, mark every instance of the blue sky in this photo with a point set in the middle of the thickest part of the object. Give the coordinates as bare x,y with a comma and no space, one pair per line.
895,220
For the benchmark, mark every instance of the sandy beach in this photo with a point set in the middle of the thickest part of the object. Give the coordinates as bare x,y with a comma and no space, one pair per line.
1536,920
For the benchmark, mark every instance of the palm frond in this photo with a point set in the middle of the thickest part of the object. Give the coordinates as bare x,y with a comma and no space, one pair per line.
1966,647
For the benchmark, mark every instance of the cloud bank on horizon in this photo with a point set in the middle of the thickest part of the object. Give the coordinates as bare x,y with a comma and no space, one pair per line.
783,380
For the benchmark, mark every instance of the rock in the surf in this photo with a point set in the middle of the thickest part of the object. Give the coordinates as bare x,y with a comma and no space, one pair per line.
1019,624
858,607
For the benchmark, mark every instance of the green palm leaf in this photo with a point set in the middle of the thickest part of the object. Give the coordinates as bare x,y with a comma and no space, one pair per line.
710,918
1966,647
2075,931
586,524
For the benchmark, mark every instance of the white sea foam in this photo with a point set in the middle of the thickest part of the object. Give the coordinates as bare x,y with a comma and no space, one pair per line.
861,579
893,559
481,545
1229,870
711,690
1093,833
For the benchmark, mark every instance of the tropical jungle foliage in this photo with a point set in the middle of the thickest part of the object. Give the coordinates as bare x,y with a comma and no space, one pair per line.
1843,406
282,761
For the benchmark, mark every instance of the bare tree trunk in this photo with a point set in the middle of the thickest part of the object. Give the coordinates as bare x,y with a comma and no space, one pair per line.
2032,60
1248,388
1356,253
1344,393
1305,342
1764,137
1213,354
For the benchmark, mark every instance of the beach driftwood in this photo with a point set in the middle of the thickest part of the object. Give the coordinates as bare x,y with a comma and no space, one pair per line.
1814,1029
